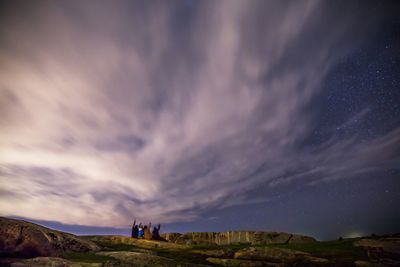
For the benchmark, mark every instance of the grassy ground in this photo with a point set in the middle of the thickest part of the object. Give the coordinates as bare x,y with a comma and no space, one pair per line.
339,253
179,256
183,256
87,257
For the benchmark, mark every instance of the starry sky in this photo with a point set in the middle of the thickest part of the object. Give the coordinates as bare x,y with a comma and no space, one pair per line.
201,115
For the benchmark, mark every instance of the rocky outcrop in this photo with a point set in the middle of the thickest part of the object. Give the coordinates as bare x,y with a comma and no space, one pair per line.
384,250
171,237
278,255
269,254
141,243
263,238
368,264
139,259
52,262
218,253
242,263
23,239
237,237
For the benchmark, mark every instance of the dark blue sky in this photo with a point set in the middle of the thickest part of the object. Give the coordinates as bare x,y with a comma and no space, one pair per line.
201,115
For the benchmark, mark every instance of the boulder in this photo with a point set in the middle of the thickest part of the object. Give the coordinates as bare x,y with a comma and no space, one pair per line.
236,237
52,262
263,238
242,263
172,237
384,250
368,264
139,259
141,243
315,261
287,257
280,255
211,253
300,239
23,239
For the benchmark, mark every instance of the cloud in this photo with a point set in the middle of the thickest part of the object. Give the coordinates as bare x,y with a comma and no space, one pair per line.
163,111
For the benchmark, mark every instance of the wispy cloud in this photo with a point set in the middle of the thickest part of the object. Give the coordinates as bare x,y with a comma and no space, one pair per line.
162,111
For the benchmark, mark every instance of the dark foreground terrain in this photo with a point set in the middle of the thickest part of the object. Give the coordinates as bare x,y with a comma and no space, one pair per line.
27,244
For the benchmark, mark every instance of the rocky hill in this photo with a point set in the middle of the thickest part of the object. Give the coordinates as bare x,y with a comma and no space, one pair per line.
24,239
24,244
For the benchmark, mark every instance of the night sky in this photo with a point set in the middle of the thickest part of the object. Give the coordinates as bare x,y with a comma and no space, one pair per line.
201,115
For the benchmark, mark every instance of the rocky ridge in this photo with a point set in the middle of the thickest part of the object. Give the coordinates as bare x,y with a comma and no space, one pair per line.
237,237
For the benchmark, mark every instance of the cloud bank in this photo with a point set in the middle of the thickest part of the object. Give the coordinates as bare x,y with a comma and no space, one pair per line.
165,110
